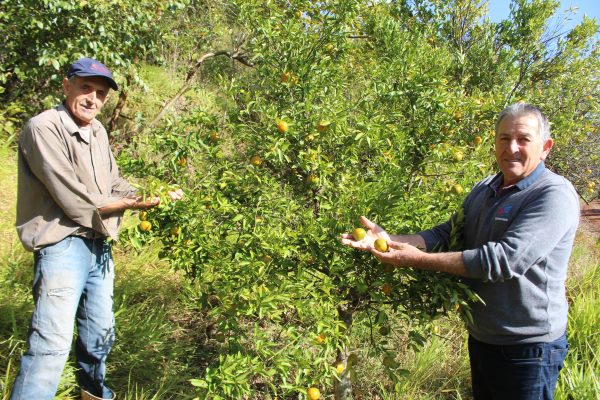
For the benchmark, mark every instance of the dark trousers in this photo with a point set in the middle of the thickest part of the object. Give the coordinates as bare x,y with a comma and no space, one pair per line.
516,372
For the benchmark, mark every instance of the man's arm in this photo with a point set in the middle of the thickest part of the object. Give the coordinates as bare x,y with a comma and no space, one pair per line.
407,255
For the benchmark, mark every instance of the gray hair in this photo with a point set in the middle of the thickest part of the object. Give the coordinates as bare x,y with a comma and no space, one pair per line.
520,109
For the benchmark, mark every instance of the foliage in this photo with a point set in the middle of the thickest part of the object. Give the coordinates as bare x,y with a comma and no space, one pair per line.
41,38
383,109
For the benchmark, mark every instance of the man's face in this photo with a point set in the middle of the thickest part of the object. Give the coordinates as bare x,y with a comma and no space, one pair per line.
84,97
519,147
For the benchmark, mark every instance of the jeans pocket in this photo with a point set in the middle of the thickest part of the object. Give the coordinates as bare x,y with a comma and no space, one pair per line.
524,353
57,249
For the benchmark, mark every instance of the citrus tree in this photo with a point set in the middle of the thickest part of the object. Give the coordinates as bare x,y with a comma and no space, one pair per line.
350,109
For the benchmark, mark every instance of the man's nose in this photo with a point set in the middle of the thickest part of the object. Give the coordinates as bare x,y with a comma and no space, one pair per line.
513,146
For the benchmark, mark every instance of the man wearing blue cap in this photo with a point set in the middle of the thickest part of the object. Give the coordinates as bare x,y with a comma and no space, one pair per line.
70,202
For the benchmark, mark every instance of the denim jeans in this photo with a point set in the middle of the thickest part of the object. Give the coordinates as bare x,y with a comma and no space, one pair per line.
73,281
516,372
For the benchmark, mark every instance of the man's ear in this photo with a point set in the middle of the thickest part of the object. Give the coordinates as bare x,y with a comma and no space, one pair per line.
66,84
548,144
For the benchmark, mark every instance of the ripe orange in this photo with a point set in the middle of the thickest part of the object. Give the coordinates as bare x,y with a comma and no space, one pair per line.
359,234
381,245
282,126
181,161
313,393
255,160
321,338
145,226
340,368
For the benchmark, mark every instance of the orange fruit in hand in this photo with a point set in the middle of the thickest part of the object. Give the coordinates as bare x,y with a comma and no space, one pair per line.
359,234
381,245
313,393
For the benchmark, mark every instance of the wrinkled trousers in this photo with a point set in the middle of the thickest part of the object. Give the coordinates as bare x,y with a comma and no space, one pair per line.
73,280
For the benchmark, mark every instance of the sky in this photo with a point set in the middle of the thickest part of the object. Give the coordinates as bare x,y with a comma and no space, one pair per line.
499,10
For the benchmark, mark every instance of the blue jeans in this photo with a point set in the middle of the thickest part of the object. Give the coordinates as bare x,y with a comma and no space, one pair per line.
516,372
73,280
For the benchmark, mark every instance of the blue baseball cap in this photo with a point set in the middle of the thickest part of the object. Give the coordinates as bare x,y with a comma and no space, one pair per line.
90,67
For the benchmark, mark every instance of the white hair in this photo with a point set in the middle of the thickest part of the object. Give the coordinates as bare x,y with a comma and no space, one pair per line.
519,109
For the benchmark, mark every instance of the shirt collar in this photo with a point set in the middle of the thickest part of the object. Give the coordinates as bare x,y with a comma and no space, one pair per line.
70,125
496,182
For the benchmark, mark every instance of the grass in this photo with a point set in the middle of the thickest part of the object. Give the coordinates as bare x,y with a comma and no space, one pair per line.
162,340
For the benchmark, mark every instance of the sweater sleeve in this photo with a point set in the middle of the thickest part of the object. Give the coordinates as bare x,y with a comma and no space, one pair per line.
535,232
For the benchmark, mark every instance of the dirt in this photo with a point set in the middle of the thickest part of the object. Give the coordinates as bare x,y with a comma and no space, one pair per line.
590,217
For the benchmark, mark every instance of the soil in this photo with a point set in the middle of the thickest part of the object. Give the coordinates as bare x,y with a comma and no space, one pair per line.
590,217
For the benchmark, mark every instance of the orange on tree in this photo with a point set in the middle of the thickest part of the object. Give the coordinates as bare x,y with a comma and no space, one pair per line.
285,77
145,226
181,161
381,245
458,155
282,126
359,234
313,393
387,289
214,136
312,179
457,189
143,215
175,230
477,141
255,160
321,338
339,367
322,126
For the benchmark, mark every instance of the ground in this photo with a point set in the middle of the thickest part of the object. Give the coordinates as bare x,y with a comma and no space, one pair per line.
590,217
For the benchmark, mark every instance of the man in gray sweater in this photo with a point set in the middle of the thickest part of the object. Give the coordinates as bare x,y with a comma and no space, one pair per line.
519,227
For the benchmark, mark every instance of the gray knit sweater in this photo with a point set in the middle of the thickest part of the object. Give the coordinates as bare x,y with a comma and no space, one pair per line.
517,245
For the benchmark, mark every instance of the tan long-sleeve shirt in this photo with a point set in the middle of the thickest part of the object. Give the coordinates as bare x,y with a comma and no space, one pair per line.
64,178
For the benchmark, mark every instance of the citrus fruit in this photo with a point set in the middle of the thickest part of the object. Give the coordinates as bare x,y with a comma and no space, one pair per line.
381,245
359,234
313,393
145,226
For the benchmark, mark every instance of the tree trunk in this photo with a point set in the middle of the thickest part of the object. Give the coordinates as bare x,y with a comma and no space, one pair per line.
343,387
